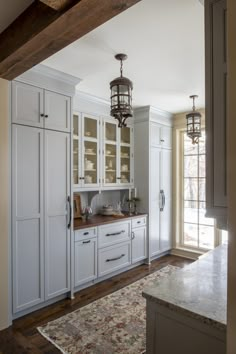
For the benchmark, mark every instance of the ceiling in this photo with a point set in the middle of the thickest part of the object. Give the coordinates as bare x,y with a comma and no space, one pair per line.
164,40
10,10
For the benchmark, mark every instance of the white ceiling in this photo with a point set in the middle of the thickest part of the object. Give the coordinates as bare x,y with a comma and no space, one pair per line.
10,10
164,40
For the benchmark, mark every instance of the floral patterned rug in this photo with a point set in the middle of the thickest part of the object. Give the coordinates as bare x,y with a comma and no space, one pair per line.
115,323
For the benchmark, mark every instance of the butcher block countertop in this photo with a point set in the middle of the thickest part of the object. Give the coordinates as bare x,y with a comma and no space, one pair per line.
97,220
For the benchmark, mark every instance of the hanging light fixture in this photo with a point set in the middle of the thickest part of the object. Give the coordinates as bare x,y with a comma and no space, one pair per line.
121,95
194,123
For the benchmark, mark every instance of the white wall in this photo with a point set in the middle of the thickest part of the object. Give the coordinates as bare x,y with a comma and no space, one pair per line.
4,205
231,163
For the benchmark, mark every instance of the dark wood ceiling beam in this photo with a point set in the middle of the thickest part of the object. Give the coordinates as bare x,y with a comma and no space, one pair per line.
42,31
58,4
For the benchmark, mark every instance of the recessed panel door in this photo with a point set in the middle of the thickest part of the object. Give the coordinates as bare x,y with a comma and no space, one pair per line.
57,213
27,217
57,111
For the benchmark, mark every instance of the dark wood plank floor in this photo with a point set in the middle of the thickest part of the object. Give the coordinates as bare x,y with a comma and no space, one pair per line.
23,338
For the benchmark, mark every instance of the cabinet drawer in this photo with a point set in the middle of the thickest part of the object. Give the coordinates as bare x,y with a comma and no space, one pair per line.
139,222
85,233
113,258
113,233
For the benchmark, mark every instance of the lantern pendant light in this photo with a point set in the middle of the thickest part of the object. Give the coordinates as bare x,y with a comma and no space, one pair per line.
194,123
121,95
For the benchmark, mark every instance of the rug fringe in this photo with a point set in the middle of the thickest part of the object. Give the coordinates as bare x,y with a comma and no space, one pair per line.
50,340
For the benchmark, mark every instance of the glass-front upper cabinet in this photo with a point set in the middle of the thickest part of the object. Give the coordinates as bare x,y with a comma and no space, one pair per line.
117,154
126,155
90,151
76,149
110,152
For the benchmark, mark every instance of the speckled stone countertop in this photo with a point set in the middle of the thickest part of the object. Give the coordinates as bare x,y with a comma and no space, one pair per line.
199,290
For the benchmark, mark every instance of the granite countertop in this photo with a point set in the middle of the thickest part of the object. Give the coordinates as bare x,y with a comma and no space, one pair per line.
199,290
97,220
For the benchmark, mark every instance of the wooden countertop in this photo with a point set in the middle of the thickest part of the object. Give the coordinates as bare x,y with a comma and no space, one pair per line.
97,220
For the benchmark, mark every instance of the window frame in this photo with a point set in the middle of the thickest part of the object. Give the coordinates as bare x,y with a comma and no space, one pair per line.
180,242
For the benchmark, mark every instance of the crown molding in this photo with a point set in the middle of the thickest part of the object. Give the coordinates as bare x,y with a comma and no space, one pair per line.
153,114
91,98
50,79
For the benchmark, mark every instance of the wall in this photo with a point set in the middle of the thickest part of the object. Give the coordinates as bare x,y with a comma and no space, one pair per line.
4,204
231,149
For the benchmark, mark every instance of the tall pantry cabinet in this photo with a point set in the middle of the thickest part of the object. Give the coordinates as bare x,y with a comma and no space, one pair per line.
41,188
153,174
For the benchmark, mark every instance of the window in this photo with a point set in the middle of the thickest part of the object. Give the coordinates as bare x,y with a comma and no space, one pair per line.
198,232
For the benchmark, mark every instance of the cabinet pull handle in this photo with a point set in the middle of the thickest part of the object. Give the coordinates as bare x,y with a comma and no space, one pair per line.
162,200
138,222
41,115
133,235
118,177
115,259
46,115
87,241
162,140
69,204
86,233
116,233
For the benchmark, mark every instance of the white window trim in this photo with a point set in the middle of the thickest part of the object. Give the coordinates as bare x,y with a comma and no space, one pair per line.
178,246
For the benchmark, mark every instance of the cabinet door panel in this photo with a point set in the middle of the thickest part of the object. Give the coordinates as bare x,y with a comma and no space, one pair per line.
85,261
57,111
166,137
154,213
27,217
166,214
139,244
27,105
57,235
155,133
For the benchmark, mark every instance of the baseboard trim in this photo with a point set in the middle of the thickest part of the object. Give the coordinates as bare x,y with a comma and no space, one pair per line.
186,253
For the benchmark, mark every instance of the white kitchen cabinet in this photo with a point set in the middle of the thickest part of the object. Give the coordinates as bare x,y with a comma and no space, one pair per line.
37,107
57,111
153,175
216,86
161,135
27,217
85,260
57,213
113,258
102,153
114,233
40,215
86,151
154,200
139,244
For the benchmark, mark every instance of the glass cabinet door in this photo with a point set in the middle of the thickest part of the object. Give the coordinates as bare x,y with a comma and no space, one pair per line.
110,153
91,151
125,155
76,149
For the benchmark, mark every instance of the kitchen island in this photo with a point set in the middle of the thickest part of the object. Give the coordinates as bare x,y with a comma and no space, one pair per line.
186,311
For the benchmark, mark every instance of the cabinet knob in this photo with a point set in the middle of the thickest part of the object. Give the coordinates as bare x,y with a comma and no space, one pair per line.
41,115
46,116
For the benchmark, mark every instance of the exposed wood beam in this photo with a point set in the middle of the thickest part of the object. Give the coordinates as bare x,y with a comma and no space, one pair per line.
58,4
42,31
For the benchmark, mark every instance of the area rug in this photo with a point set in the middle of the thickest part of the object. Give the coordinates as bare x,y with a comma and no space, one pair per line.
115,323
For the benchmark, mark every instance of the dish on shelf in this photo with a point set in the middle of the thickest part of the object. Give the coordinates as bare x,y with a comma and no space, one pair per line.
107,210
108,152
125,154
87,133
89,151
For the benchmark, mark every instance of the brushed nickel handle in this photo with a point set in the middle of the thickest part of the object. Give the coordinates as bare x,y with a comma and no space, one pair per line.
116,233
87,241
115,259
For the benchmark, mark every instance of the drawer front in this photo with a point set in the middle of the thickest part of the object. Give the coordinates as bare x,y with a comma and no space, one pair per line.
113,258
85,234
114,233
136,222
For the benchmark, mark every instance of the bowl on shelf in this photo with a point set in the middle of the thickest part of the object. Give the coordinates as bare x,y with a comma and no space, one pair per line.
107,210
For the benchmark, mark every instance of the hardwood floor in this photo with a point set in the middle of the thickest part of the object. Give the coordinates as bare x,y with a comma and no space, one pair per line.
23,338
